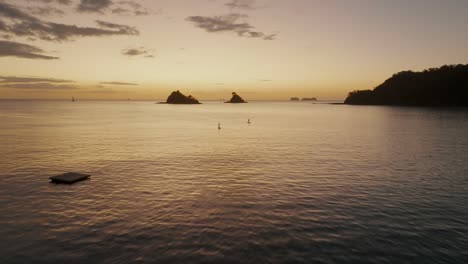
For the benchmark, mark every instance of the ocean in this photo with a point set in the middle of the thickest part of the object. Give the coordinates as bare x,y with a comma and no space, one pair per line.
302,183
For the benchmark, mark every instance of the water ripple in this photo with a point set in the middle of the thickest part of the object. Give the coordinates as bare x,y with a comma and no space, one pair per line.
302,184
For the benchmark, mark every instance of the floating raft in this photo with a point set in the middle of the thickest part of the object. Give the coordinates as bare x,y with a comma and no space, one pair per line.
69,177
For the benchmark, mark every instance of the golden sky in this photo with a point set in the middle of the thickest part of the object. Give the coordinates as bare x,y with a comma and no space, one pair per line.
262,49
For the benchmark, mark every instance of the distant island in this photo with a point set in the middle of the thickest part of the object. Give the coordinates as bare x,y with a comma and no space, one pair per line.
303,99
177,97
444,86
236,99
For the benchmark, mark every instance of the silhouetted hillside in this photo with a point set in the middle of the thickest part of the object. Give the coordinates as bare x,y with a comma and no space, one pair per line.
444,86
177,97
236,99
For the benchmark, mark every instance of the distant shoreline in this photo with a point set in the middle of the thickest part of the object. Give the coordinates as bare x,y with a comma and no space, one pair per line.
163,100
446,86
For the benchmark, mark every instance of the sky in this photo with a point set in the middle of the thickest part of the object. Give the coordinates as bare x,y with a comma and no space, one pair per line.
261,49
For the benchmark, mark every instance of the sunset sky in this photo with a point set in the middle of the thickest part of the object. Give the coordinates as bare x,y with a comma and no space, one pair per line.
263,49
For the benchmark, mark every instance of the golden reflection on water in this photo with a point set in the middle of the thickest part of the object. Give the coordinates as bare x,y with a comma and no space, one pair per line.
303,182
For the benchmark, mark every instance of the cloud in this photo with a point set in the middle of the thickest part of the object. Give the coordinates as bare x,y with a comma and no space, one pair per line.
46,11
94,6
130,8
124,11
241,4
270,37
118,27
228,23
120,7
43,86
220,23
20,50
120,10
3,26
32,83
141,51
103,6
133,52
133,4
118,83
26,25
13,79
62,2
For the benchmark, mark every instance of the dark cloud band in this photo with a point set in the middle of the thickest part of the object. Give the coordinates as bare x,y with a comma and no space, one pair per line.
13,79
20,23
35,83
21,50
42,86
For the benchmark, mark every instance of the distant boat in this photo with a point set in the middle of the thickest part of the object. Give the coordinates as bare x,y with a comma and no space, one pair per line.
248,121
219,125
73,99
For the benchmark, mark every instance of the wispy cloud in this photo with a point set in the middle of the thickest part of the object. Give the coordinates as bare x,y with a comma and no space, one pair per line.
43,86
14,79
62,2
119,83
127,7
140,51
118,27
233,22
131,8
94,6
20,23
115,7
45,11
36,83
241,4
220,23
21,50
6,36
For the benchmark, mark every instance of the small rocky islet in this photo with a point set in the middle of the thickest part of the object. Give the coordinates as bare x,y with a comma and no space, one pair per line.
176,97
236,99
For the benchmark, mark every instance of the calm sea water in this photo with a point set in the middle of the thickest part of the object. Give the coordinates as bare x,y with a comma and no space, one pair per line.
303,183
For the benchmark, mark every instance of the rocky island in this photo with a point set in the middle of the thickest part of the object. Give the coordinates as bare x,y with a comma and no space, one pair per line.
177,97
309,99
444,86
236,99
294,99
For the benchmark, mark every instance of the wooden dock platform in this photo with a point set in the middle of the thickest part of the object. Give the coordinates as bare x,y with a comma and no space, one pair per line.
69,177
